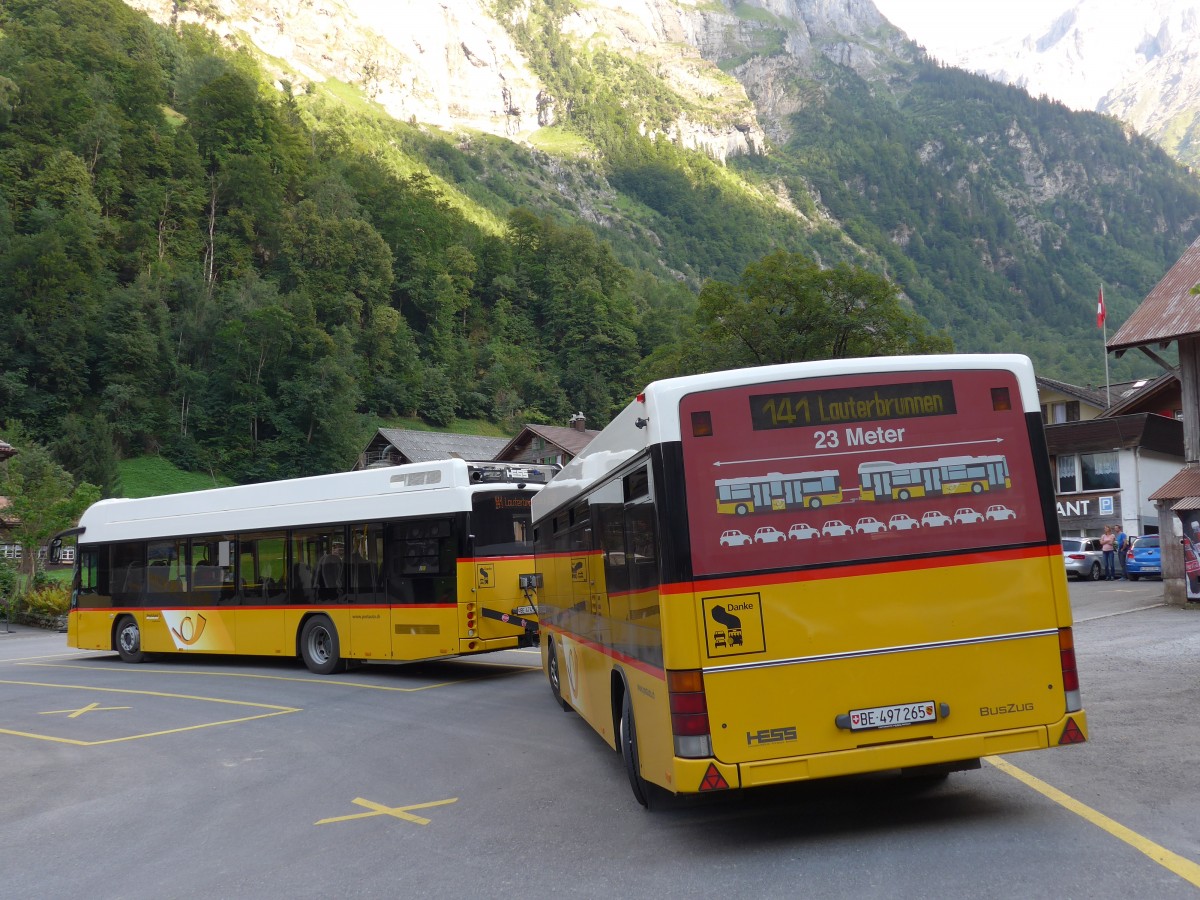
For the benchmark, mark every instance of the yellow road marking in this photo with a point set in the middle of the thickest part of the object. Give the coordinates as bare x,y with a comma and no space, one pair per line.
1182,866
143,670
74,654
76,713
275,711
378,809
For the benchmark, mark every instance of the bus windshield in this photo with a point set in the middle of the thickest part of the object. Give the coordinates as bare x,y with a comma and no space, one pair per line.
857,469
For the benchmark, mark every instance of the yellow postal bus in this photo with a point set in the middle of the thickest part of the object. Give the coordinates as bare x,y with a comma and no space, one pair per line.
870,632
397,563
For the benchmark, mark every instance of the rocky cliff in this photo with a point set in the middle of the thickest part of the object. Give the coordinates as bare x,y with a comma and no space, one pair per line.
454,64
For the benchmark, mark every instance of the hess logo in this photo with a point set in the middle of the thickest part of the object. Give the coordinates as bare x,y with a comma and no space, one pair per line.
188,631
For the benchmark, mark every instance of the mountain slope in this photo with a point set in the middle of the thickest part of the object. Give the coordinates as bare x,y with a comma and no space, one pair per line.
1139,62
997,214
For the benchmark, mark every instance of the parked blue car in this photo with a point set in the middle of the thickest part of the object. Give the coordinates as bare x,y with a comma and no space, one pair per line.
1143,558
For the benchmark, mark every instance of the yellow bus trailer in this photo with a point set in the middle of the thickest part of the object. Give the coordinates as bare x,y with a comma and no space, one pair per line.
718,659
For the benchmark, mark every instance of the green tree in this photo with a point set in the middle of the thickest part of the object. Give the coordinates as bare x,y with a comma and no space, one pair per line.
43,498
786,308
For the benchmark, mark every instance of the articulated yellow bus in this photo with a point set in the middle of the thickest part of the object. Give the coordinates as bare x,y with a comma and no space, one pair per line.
804,647
397,563
773,491
945,477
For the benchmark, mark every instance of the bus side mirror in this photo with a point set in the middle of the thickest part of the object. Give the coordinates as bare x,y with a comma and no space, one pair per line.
530,582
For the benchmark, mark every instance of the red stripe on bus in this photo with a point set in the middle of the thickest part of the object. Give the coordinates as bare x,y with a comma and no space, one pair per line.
277,607
616,655
479,559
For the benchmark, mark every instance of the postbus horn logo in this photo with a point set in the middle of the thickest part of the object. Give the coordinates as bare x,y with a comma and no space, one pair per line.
187,633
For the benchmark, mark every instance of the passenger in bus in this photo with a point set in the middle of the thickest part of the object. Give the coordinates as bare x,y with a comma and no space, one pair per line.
329,574
302,581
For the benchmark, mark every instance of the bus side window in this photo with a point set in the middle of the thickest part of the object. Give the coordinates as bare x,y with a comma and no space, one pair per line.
93,591
212,569
165,565
319,565
366,562
607,514
420,560
262,567
641,543
128,573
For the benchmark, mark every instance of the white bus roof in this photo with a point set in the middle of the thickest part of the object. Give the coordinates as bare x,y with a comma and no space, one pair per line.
418,489
653,418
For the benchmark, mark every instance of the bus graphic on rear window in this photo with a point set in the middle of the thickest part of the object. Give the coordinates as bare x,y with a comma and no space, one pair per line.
859,471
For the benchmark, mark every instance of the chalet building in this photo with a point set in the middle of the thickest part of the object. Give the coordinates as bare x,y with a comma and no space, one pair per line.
551,445
1062,402
397,446
1106,468
1109,458
1170,313
536,444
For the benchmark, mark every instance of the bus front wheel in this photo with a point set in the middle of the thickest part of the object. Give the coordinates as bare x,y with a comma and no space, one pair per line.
319,646
555,680
129,640
629,752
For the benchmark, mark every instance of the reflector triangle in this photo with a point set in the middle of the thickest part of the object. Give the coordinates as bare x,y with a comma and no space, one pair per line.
713,780
1072,734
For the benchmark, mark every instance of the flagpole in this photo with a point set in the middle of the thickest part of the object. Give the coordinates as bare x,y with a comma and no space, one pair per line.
1104,348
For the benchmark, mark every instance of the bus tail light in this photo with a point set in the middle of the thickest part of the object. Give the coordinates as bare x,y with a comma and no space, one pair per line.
689,714
1066,653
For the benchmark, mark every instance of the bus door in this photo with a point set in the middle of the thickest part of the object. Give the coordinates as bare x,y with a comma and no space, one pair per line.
997,474
932,479
370,616
420,583
262,580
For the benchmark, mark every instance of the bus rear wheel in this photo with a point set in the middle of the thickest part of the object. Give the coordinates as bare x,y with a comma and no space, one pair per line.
319,646
629,751
553,676
129,640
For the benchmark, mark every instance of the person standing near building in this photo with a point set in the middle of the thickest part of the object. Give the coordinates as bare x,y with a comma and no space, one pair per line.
1122,544
1106,544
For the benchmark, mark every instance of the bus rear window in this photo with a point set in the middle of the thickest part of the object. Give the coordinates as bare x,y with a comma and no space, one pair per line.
857,468
501,524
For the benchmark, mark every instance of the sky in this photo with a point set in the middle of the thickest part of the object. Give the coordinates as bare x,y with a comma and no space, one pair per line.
947,26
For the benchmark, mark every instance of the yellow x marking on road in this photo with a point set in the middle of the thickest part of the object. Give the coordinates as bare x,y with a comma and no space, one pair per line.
76,713
378,809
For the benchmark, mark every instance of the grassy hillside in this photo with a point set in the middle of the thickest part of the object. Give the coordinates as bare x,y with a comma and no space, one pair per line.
152,476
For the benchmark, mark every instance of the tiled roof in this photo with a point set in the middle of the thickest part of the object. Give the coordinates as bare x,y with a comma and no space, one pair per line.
7,450
1169,311
570,439
1098,399
423,446
1134,394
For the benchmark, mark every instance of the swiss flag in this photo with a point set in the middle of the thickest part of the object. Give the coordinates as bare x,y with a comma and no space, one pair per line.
1101,314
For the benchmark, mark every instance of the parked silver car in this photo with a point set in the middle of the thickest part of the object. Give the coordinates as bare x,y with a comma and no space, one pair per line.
1083,558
